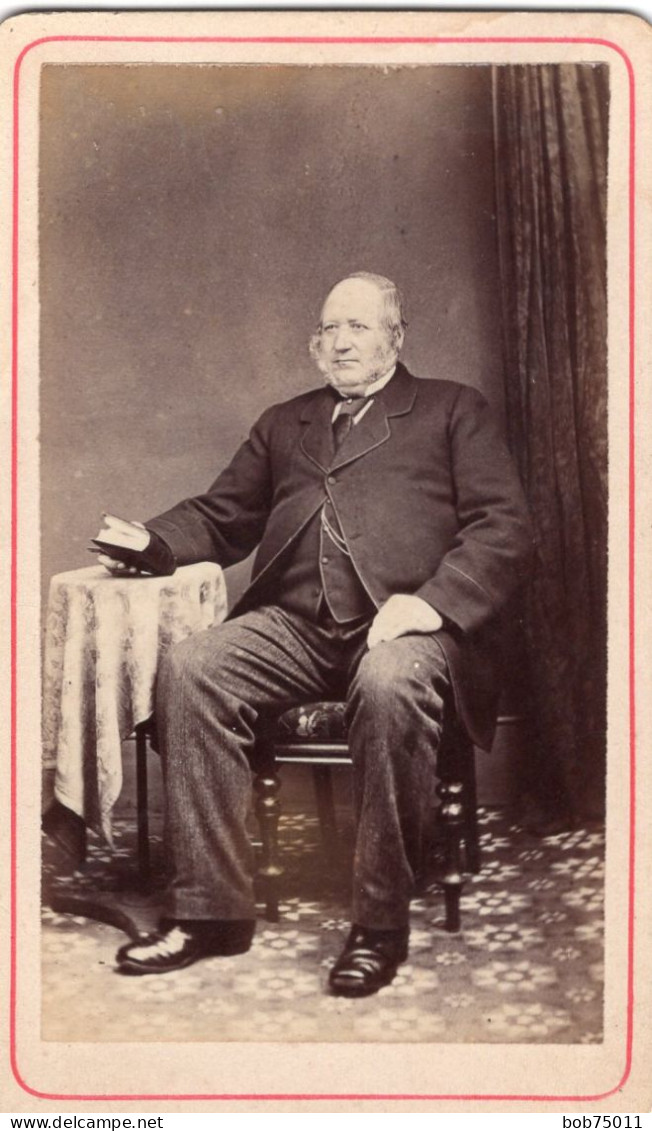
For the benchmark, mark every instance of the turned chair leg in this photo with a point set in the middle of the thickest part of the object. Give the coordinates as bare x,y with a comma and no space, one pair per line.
452,819
267,808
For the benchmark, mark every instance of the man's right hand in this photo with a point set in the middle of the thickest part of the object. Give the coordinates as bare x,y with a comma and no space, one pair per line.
119,568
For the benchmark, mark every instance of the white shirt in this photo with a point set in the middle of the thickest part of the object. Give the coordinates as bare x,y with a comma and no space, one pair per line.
369,392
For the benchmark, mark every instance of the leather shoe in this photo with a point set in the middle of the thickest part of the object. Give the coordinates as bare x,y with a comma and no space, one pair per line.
368,962
179,944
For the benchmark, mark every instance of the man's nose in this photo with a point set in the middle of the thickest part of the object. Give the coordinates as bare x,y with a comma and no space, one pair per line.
342,340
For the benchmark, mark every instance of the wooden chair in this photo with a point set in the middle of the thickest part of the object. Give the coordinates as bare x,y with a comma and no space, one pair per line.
315,735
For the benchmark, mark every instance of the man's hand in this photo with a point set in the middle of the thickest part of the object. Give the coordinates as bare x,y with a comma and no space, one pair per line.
116,567
401,614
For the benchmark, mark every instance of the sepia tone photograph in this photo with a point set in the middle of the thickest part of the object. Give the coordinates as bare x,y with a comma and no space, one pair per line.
235,262
325,479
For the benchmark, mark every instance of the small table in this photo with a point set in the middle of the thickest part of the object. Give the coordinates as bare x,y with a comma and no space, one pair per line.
105,636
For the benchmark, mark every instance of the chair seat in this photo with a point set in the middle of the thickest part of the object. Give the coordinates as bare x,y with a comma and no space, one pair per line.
317,722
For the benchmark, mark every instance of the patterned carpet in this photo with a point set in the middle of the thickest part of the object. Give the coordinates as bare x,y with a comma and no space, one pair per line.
526,967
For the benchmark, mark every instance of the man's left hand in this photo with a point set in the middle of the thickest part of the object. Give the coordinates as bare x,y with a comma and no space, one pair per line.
401,614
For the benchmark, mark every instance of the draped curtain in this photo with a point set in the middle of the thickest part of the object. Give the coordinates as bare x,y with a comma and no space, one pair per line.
551,178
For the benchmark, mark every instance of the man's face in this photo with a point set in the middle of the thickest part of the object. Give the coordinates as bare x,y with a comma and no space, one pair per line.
353,348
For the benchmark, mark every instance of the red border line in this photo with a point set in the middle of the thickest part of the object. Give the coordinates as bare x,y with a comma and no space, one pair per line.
369,40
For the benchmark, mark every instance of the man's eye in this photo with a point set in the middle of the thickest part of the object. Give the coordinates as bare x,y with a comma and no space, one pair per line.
357,326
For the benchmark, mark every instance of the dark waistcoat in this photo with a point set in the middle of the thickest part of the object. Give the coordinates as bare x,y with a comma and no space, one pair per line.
317,571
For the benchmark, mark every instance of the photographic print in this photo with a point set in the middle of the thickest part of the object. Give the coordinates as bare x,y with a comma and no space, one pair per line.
323,348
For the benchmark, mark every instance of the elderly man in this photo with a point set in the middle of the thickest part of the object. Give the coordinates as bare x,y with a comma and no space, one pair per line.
391,529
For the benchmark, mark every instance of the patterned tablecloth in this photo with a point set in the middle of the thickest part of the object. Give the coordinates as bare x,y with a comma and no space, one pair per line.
104,638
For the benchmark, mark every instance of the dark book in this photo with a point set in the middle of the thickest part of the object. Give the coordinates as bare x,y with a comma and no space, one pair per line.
122,540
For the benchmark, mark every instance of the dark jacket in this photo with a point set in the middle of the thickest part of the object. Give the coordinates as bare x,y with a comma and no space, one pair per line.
426,495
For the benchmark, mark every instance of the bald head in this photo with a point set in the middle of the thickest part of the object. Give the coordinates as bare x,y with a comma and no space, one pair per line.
393,315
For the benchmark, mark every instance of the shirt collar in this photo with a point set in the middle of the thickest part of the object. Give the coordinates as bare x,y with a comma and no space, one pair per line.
380,383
